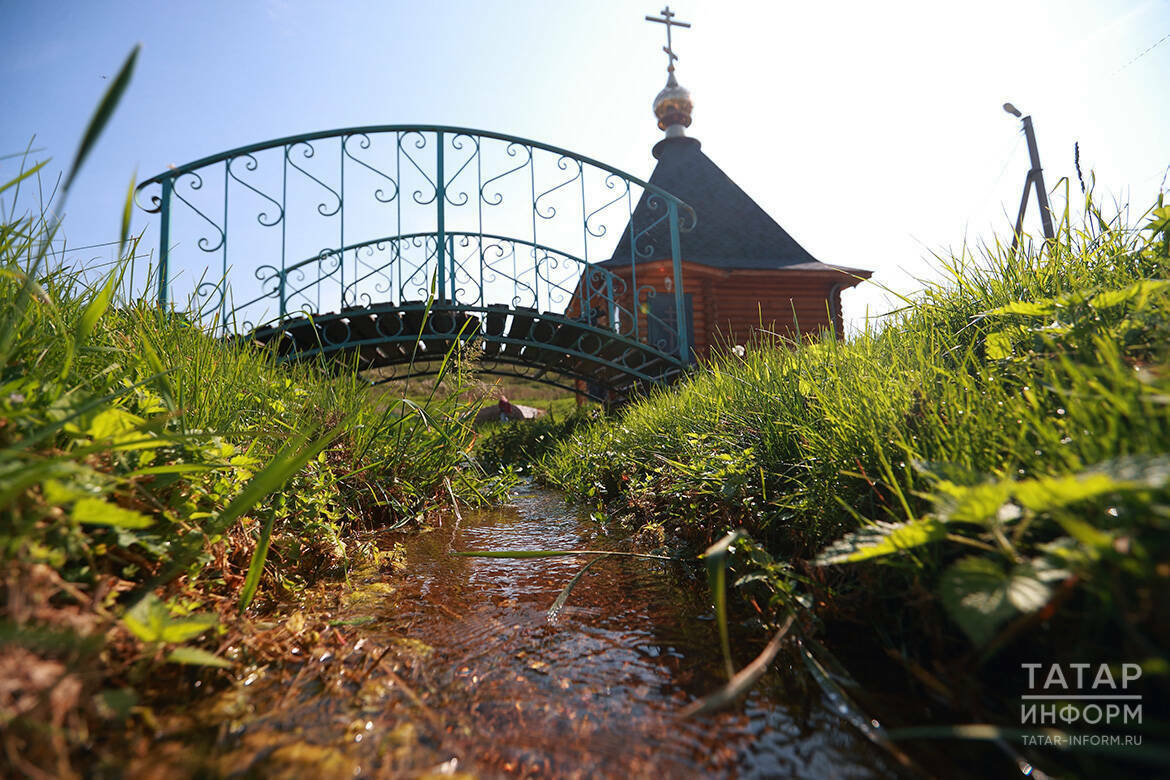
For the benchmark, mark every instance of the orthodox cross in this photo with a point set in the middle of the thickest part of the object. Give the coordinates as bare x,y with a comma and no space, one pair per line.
668,20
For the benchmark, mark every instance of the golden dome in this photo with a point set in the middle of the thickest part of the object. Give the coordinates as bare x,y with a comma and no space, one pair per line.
673,107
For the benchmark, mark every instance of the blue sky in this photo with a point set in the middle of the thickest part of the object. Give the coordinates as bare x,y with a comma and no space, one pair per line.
871,131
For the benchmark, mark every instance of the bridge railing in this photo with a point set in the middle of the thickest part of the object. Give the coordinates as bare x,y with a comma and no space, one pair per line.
329,221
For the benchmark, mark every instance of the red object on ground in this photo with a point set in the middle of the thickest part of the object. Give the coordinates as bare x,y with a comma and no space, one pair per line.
507,408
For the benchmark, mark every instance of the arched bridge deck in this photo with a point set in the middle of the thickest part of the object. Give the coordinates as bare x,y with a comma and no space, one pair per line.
413,339
493,249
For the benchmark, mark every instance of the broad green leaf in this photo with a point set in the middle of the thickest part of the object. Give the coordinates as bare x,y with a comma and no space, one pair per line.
1092,538
150,620
1028,586
1042,308
59,492
117,702
1048,493
975,593
97,511
999,345
113,423
188,627
68,422
121,430
193,656
982,502
288,461
880,538
1138,292
20,476
1159,219
970,503
147,618
980,595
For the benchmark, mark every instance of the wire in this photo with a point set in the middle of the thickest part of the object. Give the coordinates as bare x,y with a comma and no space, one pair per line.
68,248
1011,156
1157,43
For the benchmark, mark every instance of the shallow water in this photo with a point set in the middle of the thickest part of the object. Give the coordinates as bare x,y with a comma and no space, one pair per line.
478,679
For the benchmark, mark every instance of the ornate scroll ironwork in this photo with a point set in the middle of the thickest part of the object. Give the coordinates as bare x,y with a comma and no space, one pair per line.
483,225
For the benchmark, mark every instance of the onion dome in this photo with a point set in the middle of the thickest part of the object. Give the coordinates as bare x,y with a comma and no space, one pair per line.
673,107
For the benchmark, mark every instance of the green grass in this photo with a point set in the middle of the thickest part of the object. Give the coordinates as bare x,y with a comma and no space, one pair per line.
519,444
997,455
139,455
487,388
155,482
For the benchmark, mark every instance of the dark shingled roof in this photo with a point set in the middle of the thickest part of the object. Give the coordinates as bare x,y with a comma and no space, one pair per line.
732,231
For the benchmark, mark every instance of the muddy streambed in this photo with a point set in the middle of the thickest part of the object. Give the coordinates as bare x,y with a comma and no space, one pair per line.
451,665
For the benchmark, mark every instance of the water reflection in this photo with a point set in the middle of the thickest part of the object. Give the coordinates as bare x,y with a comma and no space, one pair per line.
452,665
597,691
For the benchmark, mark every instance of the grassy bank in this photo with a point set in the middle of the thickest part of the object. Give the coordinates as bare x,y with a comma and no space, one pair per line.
487,389
156,482
161,489
984,480
520,444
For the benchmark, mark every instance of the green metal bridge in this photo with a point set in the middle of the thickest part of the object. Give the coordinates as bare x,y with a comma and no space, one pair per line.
465,240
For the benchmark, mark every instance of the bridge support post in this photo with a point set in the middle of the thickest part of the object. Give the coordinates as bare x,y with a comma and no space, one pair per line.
684,336
164,240
610,304
440,227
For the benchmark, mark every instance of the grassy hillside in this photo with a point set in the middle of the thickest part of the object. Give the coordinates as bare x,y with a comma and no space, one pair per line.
984,478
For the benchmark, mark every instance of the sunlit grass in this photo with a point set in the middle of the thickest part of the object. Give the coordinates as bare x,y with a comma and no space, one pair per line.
156,481
997,453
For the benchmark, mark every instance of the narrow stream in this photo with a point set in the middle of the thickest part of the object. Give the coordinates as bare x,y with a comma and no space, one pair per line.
478,680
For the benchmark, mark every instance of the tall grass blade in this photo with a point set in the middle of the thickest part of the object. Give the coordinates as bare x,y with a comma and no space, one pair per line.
743,681
716,558
256,567
95,309
842,702
102,115
554,611
127,212
23,175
